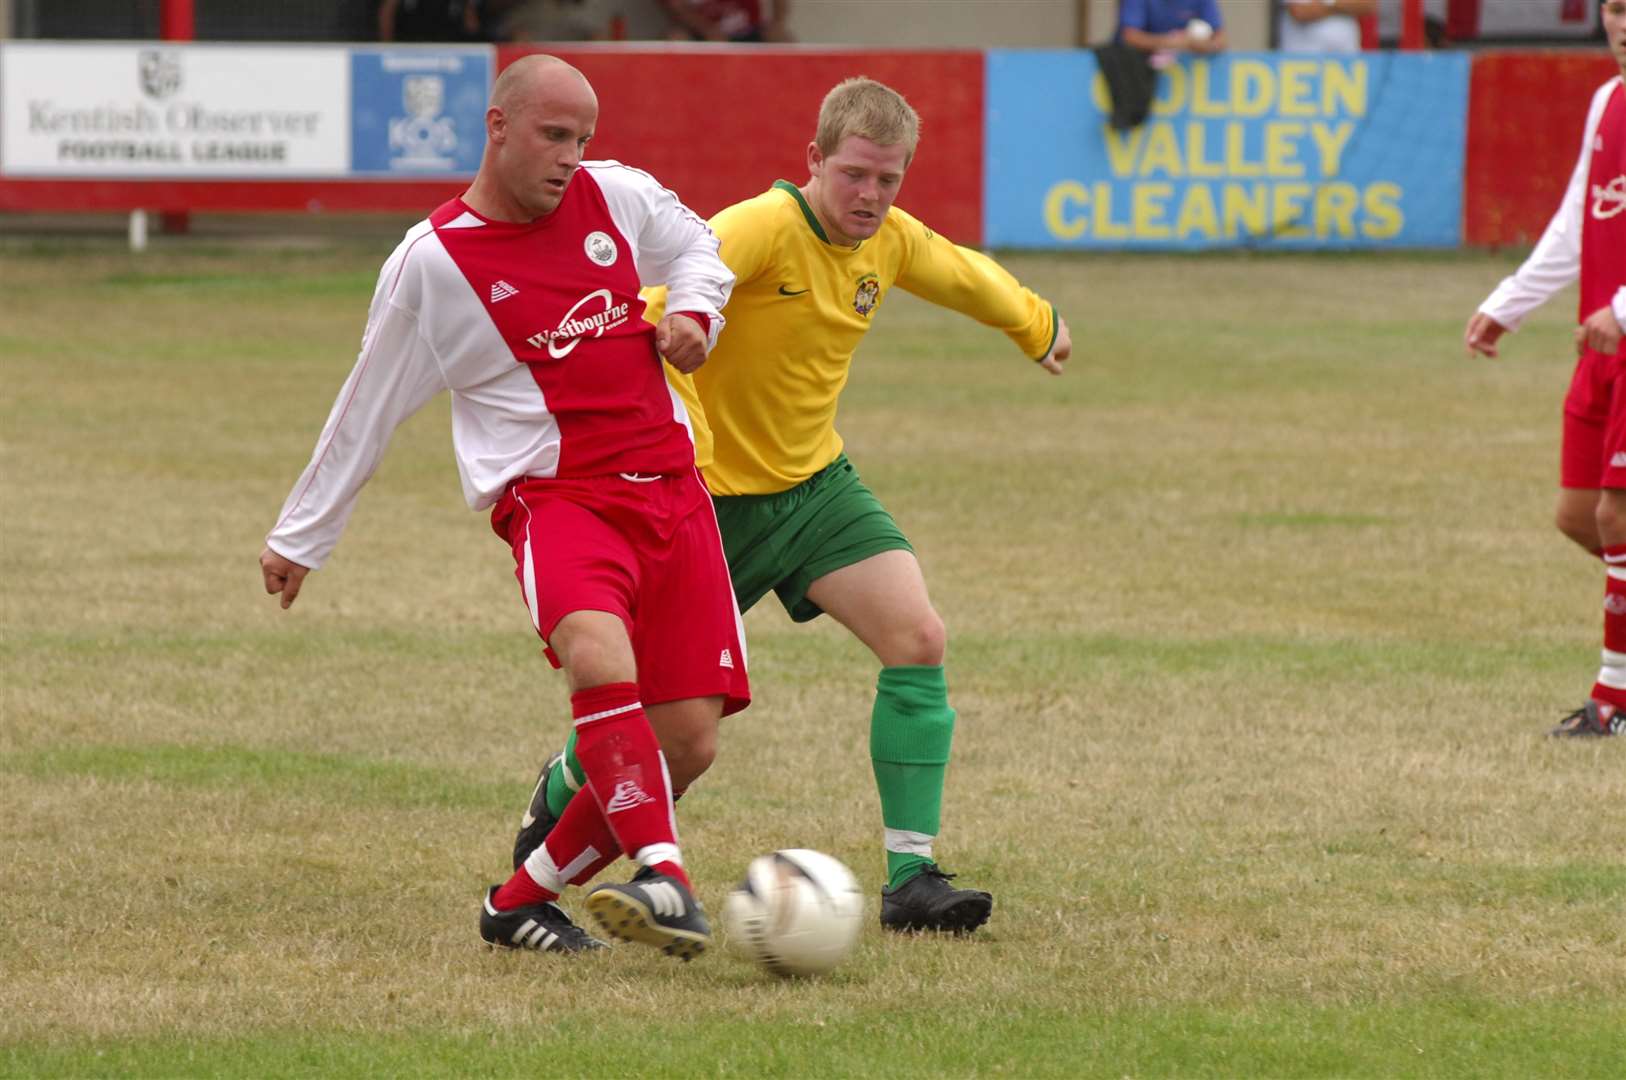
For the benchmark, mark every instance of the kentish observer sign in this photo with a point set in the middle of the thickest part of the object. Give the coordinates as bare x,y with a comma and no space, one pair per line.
149,110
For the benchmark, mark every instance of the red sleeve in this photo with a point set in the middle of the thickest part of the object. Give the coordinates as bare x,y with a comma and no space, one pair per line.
700,317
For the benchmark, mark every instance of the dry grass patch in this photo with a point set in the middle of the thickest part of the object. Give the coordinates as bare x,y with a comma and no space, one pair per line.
1257,619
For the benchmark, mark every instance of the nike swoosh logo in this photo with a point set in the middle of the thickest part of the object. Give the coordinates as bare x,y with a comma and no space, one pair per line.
787,292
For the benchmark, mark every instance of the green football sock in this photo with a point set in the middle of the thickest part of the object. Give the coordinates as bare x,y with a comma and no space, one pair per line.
910,732
566,779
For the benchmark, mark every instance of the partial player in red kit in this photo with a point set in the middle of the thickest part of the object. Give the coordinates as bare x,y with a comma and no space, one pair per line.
1587,238
521,299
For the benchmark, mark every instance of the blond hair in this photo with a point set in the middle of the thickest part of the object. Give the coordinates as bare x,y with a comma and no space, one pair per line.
865,108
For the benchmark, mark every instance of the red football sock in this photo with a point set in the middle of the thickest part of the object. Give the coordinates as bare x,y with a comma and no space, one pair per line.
578,846
627,775
609,846
1611,684
519,890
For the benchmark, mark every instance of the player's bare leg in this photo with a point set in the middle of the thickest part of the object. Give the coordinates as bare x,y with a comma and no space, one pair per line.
687,731
1576,516
883,601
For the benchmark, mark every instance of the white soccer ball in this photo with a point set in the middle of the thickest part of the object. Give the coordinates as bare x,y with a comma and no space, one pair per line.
797,912
1199,30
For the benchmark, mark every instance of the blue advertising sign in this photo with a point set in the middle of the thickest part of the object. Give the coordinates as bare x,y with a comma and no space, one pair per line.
418,111
1242,150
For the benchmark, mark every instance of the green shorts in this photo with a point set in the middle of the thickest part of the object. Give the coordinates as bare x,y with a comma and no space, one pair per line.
790,539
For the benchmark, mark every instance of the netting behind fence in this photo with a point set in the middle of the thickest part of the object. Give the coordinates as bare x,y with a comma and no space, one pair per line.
214,20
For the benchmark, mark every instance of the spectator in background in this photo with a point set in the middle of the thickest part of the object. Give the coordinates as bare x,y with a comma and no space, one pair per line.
428,20
729,20
1323,26
546,20
1435,14
1171,26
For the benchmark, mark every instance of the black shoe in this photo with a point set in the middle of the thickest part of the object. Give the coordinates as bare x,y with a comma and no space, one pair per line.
543,927
1593,718
653,909
928,902
537,823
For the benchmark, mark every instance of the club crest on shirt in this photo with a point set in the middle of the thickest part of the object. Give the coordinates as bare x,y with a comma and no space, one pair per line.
869,289
600,248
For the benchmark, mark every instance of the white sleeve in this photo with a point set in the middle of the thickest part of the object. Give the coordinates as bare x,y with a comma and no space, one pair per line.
395,375
676,247
1556,261
1619,305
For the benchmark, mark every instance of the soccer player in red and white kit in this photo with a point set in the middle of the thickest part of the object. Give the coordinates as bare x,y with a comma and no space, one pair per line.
521,299
1587,237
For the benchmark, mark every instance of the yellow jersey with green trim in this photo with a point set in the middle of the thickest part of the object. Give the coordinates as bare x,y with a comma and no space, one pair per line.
800,306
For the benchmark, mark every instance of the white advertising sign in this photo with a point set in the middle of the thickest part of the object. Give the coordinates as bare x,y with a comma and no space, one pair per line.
155,109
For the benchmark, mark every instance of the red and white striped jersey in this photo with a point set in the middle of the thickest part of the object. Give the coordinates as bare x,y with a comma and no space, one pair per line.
536,331
1584,239
1603,218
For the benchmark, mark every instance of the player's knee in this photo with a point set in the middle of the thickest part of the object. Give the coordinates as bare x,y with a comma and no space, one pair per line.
923,641
591,661
689,755
1609,518
1580,526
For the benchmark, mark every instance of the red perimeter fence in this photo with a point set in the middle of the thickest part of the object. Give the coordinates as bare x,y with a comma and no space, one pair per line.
721,126
1525,114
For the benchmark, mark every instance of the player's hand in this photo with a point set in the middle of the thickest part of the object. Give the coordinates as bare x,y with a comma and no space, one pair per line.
1060,351
282,576
1482,334
681,341
1601,333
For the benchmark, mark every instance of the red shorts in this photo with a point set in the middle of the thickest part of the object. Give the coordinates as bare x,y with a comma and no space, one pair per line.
645,549
1594,450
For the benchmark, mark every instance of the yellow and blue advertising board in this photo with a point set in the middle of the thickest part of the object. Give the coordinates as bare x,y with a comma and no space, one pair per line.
1243,150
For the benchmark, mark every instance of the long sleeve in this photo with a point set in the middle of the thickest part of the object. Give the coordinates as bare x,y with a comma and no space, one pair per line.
395,375
973,284
1556,260
675,246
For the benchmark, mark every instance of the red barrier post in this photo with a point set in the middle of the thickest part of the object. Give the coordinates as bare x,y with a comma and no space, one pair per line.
1462,20
1411,25
176,23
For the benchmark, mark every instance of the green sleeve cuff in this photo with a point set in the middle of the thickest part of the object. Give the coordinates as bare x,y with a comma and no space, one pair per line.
1055,331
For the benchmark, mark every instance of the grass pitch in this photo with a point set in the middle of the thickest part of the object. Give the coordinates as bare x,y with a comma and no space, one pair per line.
1256,616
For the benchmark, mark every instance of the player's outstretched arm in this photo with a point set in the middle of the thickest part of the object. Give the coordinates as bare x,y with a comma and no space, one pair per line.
282,576
1482,334
1058,354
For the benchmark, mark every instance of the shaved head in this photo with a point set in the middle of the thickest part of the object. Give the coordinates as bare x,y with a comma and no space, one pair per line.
538,124
537,78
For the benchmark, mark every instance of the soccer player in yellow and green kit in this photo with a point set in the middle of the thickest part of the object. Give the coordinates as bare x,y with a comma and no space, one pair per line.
813,264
